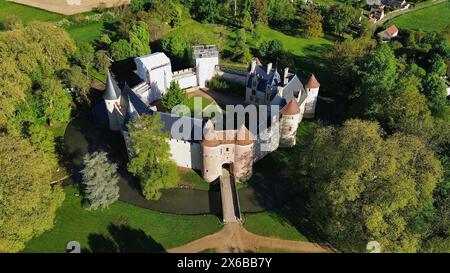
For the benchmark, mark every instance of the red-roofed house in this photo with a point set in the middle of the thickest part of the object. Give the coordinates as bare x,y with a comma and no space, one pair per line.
389,33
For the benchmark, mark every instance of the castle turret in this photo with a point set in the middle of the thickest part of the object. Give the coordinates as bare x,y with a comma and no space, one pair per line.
312,90
112,97
130,116
212,159
289,123
243,162
206,58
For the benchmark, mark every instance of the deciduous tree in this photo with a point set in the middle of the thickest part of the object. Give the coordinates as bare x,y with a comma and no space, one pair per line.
151,161
27,200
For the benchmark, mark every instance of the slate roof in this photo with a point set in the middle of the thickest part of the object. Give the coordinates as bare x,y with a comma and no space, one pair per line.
112,90
136,107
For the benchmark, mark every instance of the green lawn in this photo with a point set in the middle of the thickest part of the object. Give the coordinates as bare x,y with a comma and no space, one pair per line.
436,18
193,179
205,102
269,224
86,32
132,228
27,13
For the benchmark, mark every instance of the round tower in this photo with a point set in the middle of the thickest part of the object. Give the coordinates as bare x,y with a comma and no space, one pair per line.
112,97
243,161
289,123
212,160
312,90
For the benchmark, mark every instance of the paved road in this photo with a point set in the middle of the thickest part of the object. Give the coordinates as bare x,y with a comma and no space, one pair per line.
393,15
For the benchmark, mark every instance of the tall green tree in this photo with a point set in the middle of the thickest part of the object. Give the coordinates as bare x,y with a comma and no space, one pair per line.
121,50
151,161
365,188
55,101
100,180
311,23
176,47
174,96
102,61
242,51
27,200
205,11
79,82
339,17
434,90
378,77
139,40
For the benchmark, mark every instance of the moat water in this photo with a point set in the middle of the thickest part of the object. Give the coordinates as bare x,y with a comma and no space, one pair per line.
85,135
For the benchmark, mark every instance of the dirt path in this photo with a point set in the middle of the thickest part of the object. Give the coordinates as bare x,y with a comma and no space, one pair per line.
393,15
235,238
70,7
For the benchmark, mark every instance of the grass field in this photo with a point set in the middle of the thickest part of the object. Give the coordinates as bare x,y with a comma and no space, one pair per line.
436,18
86,32
269,224
27,13
122,227
224,37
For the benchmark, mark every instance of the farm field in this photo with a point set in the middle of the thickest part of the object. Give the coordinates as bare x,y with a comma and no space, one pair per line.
436,18
120,228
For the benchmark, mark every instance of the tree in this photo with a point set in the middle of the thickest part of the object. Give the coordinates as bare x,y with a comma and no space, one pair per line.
54,100
260,10
242,51
100,180
102,61
339,18
10,22
139,39
271,50
205,11
407,112
174,96
27,202
151,161
79,82
378,74
175,46
281,13
434,90
85,56
311,23
120,50
365,188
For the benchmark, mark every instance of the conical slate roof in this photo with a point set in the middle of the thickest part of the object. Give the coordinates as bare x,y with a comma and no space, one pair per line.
291,108
112,91
312,82
131,114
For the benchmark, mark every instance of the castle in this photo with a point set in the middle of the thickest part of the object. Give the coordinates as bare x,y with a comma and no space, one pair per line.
237,148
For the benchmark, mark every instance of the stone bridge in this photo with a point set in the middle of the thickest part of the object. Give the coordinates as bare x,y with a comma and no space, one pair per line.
230,202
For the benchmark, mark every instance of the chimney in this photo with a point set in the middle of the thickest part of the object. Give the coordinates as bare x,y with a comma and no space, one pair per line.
253,67
285,75
269,68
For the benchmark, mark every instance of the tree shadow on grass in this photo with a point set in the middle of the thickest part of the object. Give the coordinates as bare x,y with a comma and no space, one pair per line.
123,239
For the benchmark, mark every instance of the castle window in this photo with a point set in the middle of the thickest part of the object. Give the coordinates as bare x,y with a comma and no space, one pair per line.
228,149
253,92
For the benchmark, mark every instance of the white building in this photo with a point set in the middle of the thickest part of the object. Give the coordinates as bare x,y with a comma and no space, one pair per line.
155,70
